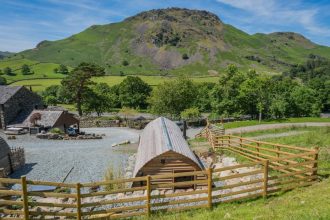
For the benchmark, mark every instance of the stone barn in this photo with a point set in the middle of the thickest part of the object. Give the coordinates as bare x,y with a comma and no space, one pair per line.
163,150
16,103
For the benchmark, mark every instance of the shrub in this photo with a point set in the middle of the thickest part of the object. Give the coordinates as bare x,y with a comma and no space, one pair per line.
185,56
125,63
56,131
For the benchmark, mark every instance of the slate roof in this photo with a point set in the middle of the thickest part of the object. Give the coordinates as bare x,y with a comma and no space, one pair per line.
48,118
6,92
4,148
160,136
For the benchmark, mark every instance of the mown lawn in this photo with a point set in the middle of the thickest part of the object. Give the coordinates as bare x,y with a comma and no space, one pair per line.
237,124
306,203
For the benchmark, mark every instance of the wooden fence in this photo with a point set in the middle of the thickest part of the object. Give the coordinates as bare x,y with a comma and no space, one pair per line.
273,168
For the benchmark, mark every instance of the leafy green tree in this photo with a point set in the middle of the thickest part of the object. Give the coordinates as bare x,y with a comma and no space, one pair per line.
173,97
55,70
3,81
25,69
125,63
78,82
49,95
225,95
253,94
306,101
190,114
133,92
278,107
204,99
62,69
1,72
8,71
98,99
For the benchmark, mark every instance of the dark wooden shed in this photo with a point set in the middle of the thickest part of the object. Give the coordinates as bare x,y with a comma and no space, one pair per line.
163,150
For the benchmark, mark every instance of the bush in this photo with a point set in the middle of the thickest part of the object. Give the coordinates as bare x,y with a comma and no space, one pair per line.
185,56
56,131
125,63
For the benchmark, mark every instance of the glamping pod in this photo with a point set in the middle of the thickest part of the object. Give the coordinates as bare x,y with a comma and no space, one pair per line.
163,150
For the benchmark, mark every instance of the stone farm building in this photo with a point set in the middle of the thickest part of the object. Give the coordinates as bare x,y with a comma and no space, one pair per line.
49,119
16,103
163,150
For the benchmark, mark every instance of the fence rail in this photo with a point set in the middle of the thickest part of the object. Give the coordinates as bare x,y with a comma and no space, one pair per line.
273,168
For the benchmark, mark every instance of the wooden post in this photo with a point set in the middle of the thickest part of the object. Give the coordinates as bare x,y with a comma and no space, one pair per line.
278,149
266,163
78,201
316,156
240,141
228,141
25,198
209,187
258,145
148,195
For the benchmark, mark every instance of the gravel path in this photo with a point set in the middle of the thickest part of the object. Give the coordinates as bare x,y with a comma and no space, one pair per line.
274,126
51,160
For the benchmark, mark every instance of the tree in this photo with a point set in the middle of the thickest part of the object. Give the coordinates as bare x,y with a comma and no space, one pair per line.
306,101
225,95
50,95
26,69
98,99
190,114
125,63
204,99
173,97
253,94
78,82
278,107
3,81
185,56
63,69
8,71
133,92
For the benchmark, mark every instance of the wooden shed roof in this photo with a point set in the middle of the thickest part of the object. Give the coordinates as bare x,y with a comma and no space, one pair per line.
158,137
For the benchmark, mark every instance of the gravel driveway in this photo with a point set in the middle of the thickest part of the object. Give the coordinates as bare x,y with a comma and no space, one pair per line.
51,160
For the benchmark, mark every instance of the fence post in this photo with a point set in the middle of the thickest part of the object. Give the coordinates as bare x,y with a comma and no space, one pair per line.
266,163
209,187
25,198
316,157
229,141
78,201
148,195
258,149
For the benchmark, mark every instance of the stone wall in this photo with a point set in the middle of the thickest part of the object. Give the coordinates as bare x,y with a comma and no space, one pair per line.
17,158
22,103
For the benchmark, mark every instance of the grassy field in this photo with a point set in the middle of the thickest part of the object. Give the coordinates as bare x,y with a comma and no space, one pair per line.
238,124
40,84
307,203
300,204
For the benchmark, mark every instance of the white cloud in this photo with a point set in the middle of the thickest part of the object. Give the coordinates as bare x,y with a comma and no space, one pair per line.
287,13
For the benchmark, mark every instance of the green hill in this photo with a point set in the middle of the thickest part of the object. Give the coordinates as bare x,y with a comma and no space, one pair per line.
172,41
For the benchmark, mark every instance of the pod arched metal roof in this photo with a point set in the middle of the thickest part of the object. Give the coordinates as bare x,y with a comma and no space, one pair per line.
158,137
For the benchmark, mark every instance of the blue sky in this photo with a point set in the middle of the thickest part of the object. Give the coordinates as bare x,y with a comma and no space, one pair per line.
24,23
